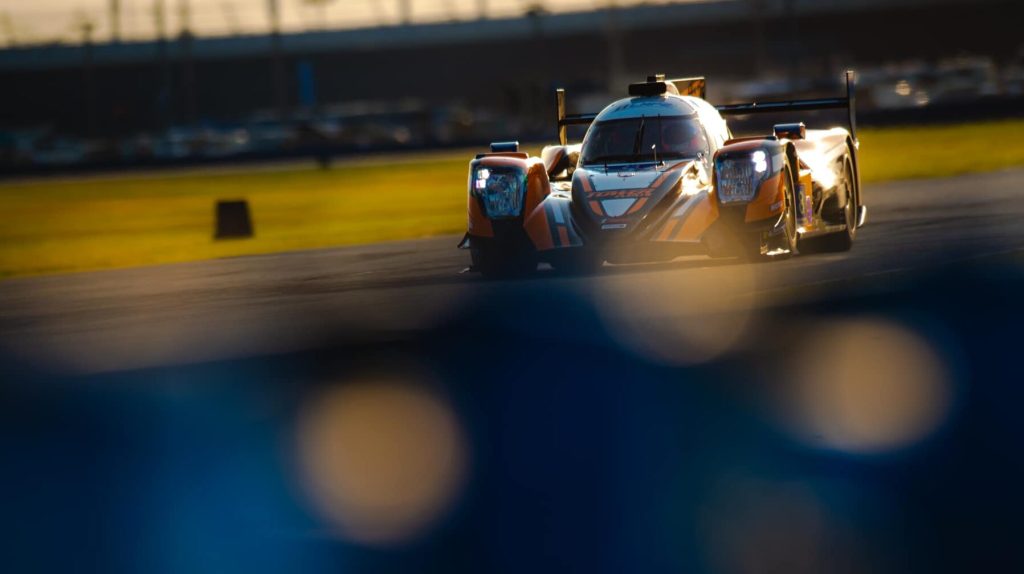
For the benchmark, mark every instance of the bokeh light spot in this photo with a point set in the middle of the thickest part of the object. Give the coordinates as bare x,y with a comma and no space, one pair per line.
869,385
679,318
381,459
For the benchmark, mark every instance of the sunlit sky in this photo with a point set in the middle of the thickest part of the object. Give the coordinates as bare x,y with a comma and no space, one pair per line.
32,21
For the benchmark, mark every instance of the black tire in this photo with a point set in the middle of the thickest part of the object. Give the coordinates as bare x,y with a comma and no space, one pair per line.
495,263
842,240
790,239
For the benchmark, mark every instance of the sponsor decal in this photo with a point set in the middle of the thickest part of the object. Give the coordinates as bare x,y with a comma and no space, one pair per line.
621,194
617,207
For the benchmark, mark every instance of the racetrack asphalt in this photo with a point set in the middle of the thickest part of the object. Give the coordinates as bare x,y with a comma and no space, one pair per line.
375,409
281,303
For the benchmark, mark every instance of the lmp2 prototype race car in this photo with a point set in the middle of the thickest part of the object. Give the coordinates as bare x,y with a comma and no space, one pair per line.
659,175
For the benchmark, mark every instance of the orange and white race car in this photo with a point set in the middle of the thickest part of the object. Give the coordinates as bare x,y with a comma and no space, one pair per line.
659,175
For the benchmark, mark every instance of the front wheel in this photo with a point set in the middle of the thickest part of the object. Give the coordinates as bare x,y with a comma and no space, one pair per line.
753,246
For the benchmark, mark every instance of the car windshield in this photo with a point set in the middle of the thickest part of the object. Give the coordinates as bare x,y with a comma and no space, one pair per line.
643,139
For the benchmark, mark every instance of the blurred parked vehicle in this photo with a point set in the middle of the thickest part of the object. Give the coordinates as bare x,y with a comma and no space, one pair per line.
918,84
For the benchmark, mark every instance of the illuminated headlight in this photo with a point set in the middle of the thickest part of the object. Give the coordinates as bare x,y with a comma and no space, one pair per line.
502,190
740,176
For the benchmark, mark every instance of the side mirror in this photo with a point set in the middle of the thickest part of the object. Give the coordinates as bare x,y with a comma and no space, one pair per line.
574,159
505,147
559,162
797,131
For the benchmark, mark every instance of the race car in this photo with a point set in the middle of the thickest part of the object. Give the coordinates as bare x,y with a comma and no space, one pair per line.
659,175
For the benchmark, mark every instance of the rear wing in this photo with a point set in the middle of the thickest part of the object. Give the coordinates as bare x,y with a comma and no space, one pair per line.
697,87
849,103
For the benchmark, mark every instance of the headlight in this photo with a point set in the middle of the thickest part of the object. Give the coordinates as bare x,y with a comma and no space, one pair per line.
739,177
502,190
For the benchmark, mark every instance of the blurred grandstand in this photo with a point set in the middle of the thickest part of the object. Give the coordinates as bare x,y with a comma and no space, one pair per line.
405,84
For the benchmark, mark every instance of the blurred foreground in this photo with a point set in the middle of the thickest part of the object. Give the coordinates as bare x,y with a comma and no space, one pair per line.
373,410
873,430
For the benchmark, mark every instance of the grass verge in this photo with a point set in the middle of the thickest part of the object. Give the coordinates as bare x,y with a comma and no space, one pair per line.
96,223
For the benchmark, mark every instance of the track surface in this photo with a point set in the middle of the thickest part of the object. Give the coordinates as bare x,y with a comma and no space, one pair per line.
250,306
